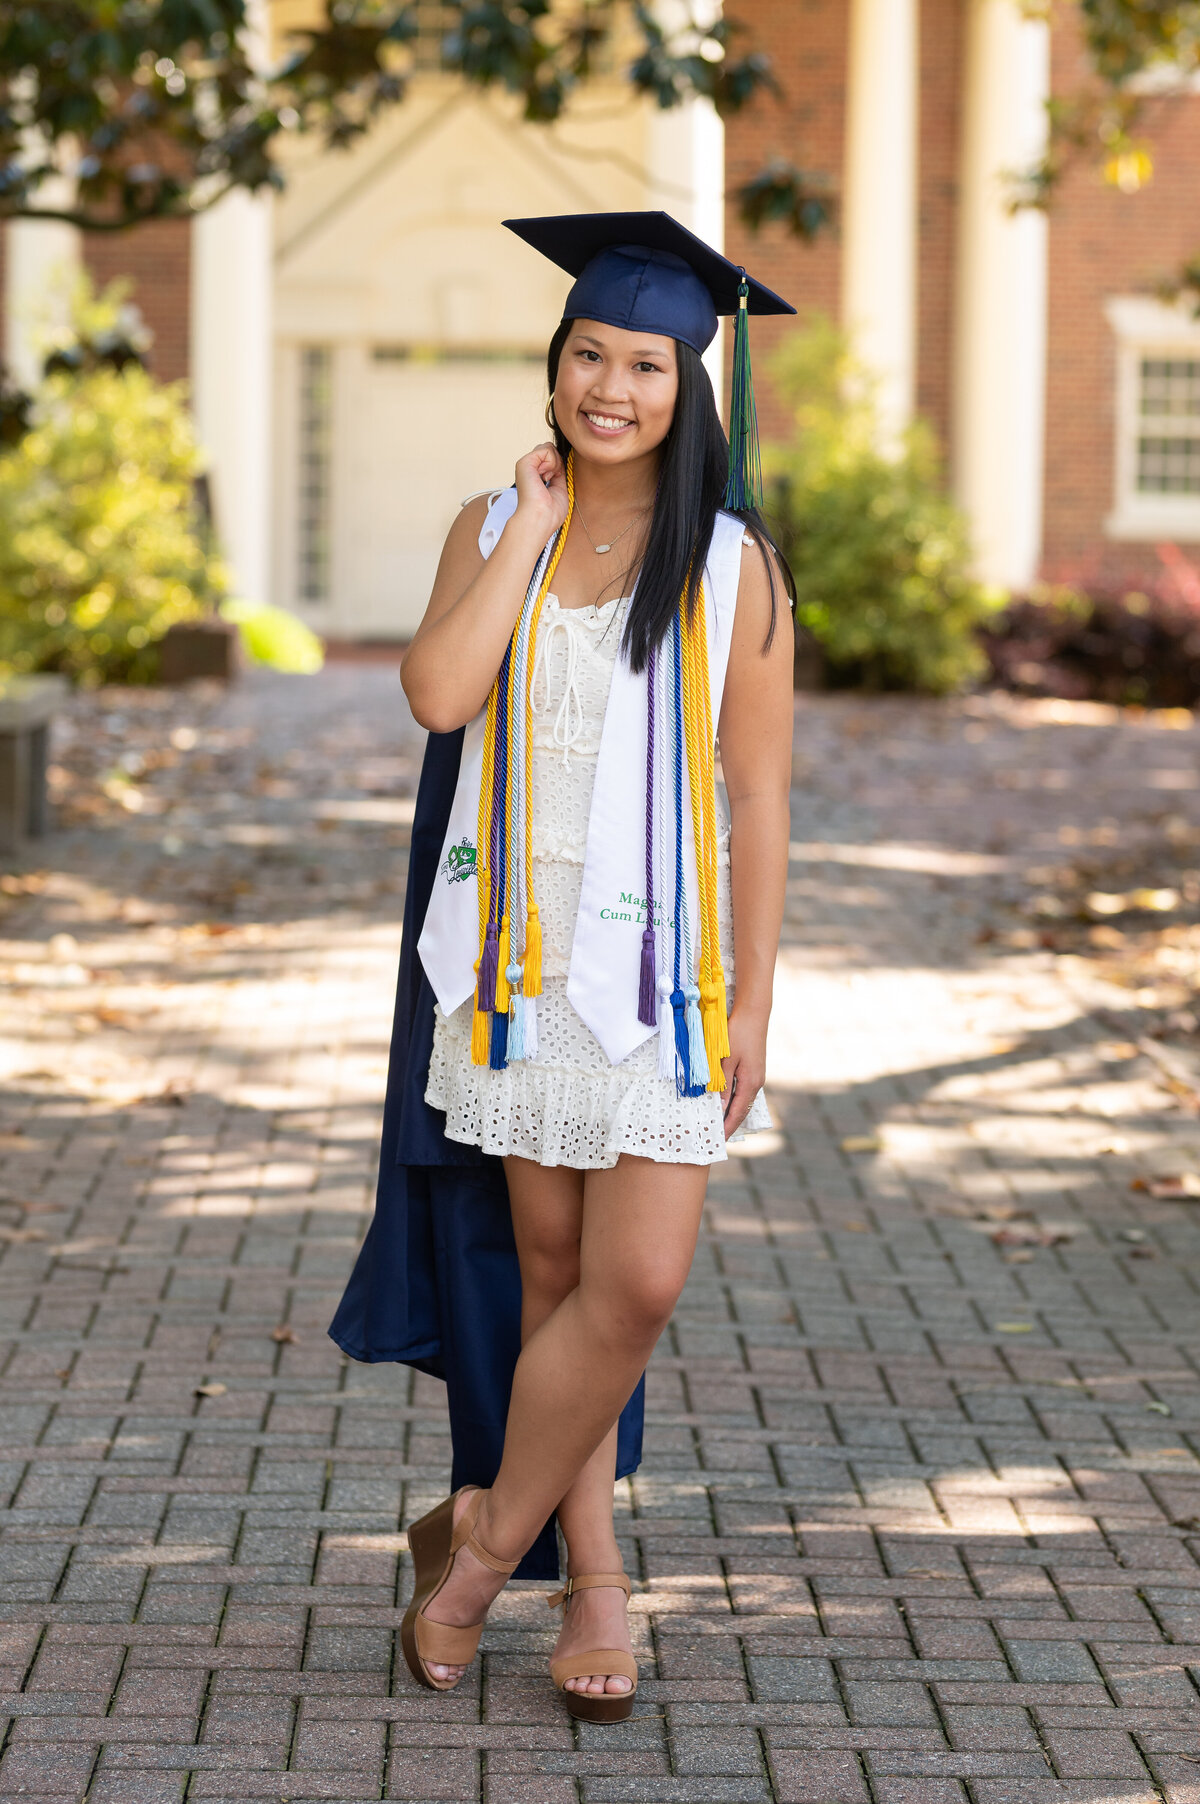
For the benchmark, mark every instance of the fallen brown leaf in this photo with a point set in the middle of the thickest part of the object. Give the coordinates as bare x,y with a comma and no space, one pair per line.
287,1337
1031,1236
115,1017
1179,1186
210,1390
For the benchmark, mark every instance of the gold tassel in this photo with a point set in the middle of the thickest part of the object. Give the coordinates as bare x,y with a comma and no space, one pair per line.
716,1041
481,1036
532,985
501,967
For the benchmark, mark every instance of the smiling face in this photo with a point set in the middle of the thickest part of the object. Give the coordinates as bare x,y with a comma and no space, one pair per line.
615,391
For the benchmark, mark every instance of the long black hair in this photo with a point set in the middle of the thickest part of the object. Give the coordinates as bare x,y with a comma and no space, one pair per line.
695,463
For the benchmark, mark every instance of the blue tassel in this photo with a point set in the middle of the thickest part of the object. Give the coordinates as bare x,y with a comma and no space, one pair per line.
647,1014
697,1056
498,1050
488,965
678,1008
529,1026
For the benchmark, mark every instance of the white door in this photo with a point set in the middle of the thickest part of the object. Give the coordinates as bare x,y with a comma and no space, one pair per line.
417,437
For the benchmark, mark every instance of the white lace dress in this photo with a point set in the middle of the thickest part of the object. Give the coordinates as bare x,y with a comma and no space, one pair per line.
570,1106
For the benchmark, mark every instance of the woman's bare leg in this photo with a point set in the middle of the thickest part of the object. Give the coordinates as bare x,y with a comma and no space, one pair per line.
548,1225
578,1368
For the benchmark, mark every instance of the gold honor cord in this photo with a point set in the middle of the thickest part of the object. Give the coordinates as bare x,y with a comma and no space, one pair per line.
532,965
698,737
699,740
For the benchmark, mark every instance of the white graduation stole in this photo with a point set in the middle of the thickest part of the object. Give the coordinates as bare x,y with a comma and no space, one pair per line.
602,976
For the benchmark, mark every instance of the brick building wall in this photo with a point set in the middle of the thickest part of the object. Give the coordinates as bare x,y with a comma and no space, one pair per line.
808,41
805,125
1101,243
157,257
1105,243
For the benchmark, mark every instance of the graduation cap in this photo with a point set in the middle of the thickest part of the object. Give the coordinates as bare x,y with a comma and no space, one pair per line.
646,272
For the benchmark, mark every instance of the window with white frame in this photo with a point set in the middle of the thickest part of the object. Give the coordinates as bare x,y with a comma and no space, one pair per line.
1157,421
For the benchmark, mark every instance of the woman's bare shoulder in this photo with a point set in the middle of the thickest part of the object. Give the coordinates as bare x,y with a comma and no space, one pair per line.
468,521
760,575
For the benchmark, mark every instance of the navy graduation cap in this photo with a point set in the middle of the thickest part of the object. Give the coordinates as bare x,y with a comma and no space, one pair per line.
646,272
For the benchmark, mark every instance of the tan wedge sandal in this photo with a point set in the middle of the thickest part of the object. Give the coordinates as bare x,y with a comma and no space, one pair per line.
605,1706
433,1541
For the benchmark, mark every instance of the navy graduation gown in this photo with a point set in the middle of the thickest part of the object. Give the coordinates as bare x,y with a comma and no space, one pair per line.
436,1284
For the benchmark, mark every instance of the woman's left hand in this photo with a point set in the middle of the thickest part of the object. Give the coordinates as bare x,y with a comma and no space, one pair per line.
744,1069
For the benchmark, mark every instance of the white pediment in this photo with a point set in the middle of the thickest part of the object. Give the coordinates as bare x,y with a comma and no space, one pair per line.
401,238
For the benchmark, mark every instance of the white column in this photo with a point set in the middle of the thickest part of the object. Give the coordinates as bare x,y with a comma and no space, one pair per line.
1000,327
879,258
41,258
232,360
231,363
686,159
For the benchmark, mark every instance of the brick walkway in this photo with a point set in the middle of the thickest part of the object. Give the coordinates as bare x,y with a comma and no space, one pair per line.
915,1524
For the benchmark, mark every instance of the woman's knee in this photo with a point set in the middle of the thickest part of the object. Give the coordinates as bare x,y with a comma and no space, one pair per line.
550,1266
633,1309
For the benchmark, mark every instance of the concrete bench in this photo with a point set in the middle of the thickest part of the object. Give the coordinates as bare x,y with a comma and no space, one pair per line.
27,706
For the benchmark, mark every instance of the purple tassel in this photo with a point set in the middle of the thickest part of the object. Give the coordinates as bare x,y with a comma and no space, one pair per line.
488,966
498,1047
647,985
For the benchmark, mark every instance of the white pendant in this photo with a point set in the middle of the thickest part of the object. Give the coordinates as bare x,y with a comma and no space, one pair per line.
601,548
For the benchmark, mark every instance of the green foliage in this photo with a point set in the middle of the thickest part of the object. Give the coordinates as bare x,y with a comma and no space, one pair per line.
99,549
154,108
273,636
1098,117
1126,37
104,328
880,554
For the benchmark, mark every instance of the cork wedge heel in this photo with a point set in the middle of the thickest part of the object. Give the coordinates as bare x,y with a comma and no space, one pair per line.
609,1706
433,1541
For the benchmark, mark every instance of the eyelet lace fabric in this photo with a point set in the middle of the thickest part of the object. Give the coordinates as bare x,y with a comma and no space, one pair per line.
570,1106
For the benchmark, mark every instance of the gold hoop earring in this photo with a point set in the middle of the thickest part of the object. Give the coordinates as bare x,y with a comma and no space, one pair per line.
548,416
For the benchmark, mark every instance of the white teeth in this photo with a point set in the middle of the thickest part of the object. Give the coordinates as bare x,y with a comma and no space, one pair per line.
606,422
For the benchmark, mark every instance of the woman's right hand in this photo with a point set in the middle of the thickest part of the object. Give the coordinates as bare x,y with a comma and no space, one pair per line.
542,489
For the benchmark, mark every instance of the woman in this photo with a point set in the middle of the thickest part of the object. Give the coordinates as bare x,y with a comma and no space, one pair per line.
565,893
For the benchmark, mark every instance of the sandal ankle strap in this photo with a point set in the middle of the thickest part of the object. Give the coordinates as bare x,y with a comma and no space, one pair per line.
588,1581
489,1559
464,1536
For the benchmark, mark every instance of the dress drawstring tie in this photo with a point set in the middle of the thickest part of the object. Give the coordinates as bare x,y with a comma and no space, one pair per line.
568,722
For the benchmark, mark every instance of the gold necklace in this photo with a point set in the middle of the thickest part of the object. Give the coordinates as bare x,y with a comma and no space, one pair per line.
601,549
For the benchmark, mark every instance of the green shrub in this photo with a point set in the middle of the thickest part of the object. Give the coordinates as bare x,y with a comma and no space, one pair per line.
273,636
880,554
99,547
